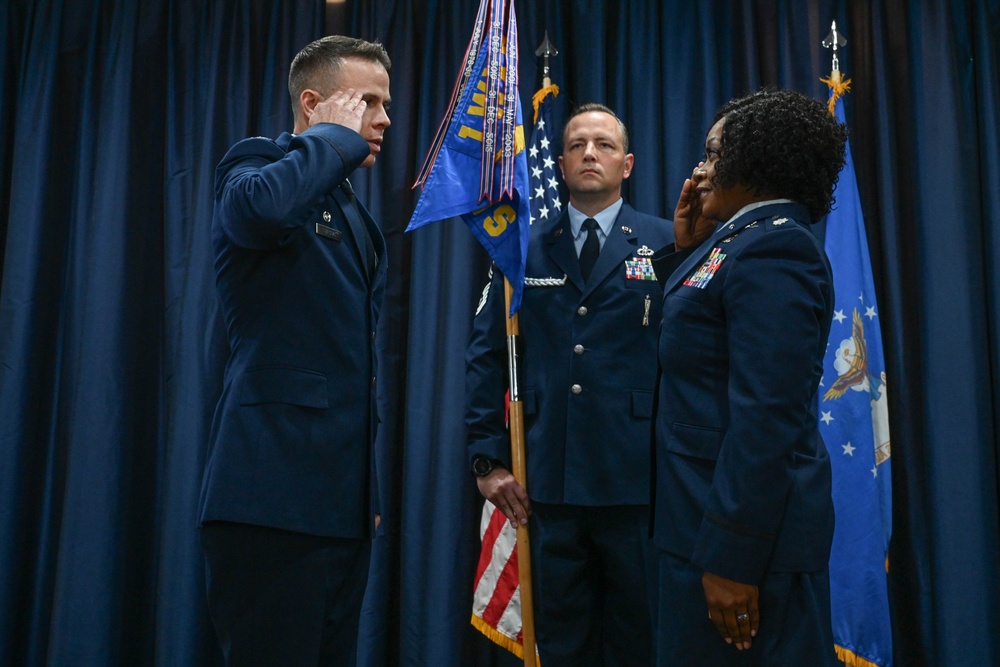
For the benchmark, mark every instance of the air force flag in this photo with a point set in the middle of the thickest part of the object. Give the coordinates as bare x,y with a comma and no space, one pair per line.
854,424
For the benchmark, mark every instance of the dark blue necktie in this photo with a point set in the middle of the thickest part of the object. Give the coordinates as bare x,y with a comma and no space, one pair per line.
591,248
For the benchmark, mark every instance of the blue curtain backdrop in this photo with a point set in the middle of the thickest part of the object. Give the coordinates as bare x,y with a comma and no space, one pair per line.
113,115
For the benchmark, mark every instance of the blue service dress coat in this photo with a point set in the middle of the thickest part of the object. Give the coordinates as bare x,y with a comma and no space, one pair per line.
292,442
742,475
588,364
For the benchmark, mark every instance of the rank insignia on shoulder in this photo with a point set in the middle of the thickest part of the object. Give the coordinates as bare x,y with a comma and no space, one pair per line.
700,278
328,232
644,251
639,268
779,221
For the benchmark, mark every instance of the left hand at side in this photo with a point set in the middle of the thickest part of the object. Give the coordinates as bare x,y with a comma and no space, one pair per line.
733,607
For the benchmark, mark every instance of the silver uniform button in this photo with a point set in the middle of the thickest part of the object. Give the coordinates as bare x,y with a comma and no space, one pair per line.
576,389
326,216
582,310
578,348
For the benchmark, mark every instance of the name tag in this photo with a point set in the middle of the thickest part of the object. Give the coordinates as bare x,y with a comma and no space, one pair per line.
328,232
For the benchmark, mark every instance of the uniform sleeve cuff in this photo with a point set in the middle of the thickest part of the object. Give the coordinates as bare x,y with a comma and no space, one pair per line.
732,551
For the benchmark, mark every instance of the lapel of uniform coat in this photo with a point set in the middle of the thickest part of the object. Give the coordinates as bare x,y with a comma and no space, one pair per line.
561,250
734,226
378,240
354,223
353,216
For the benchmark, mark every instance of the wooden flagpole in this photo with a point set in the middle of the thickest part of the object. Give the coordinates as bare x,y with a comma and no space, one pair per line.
516,422
521,475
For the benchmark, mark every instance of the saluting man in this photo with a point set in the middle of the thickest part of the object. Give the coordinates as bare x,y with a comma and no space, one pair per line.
289,500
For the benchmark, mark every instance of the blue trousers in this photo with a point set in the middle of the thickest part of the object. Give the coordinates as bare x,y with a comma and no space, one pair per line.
283,598
593,570
795,626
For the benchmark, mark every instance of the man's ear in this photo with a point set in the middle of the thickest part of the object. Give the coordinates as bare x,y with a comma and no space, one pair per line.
629,162
308,99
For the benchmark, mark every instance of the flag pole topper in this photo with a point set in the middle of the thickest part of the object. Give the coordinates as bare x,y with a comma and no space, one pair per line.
544,50
834,40
837,83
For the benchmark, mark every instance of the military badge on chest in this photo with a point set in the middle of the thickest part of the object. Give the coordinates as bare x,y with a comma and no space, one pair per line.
700,278
641,267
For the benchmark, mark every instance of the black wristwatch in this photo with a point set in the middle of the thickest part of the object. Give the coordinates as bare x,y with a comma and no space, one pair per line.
483,465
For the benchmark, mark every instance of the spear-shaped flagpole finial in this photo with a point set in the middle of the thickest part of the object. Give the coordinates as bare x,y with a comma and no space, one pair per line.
834,39
545,50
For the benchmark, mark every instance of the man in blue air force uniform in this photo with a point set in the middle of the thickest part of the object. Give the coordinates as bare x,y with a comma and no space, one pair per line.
589,323
289,499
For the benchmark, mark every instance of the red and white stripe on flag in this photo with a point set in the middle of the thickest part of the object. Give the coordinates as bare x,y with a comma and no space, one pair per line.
496,602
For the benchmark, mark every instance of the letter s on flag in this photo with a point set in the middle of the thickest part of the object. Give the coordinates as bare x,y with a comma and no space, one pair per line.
496,224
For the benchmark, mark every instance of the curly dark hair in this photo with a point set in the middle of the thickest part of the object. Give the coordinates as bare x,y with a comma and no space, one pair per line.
782,144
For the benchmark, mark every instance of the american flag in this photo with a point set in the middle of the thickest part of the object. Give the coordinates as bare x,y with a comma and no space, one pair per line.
496,601
543,175
496,598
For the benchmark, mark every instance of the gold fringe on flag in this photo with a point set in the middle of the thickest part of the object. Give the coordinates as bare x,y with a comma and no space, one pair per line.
537,98
852,660
838,85
502,640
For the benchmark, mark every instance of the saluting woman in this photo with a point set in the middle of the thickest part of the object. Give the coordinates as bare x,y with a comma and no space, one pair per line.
743,510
